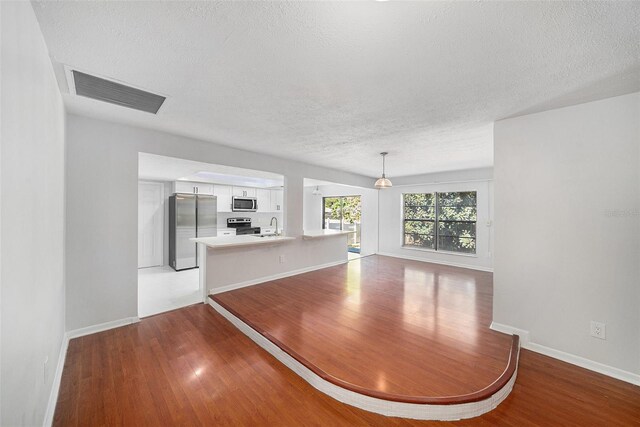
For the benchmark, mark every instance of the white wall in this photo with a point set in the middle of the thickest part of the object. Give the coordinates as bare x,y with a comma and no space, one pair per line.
256,263
102,202
32,211
567,228
369,197
391,237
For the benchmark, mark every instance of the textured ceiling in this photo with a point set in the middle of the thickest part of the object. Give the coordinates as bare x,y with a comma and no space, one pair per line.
335,83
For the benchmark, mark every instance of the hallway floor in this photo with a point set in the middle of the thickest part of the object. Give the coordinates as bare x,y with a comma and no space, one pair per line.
162,289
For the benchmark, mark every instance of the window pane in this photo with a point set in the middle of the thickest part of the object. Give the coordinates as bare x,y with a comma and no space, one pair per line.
457,216
419,199
466,198
420,212
419,227
454,229
461,213
420,240
352,217
457,244
332,213
419,233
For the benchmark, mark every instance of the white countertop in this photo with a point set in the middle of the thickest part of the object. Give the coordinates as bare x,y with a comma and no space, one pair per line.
316,234
242,240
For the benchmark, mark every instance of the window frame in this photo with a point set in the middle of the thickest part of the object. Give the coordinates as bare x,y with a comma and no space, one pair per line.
436,223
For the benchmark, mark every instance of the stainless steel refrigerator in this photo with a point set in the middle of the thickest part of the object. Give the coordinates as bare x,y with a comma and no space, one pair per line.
190,216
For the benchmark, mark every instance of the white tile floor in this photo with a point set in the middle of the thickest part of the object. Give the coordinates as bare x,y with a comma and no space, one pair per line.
162,289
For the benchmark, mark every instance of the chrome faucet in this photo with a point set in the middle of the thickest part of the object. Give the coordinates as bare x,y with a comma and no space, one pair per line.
271,223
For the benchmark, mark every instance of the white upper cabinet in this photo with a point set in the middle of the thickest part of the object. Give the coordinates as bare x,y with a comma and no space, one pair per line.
193,187
183,187
202,188
264,200
268,200
223,193
244,192
276,201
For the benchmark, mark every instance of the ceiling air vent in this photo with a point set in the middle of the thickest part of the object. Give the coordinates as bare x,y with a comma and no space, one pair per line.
105,90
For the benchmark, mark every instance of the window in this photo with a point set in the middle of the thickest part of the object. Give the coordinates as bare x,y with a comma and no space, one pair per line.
441,221
344,213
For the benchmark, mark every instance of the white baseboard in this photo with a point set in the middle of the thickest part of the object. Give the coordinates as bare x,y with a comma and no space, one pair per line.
450,264
510,330
580,361
55,387
263,279
76,333
591,365
102,327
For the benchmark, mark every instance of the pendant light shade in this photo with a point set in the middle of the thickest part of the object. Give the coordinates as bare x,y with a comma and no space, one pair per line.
383,182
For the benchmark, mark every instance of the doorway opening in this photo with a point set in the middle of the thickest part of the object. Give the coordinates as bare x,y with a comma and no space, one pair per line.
160,287
344,213
179,200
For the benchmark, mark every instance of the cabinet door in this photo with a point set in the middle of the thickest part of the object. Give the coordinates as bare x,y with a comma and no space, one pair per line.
223,193
276,201
264,200
244,192
185,187
203,188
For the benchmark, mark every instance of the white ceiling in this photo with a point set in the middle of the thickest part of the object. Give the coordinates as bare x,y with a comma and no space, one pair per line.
335,83
162,168
310,182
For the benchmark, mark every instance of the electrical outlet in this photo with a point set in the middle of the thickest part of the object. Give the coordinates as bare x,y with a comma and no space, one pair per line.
281,259
598,330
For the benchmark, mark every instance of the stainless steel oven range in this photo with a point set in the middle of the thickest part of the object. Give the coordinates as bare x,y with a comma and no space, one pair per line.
242,226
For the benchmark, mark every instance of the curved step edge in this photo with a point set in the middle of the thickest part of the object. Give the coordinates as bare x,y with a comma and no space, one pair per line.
445,408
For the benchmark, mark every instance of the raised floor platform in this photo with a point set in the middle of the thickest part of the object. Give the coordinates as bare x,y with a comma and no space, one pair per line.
392,336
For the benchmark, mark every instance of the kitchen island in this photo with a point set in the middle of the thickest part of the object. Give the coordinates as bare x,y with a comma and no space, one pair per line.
321,234
242,240
231,262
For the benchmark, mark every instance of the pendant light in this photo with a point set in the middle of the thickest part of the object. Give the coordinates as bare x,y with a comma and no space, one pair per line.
317,192
383,182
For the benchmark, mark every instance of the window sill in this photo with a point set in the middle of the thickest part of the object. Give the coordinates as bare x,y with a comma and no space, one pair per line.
413,248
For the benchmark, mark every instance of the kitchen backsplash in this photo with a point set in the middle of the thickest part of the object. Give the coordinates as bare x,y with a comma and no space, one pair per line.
257,219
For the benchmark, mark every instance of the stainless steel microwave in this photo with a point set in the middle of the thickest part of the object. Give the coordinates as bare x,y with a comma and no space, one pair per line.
244,204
